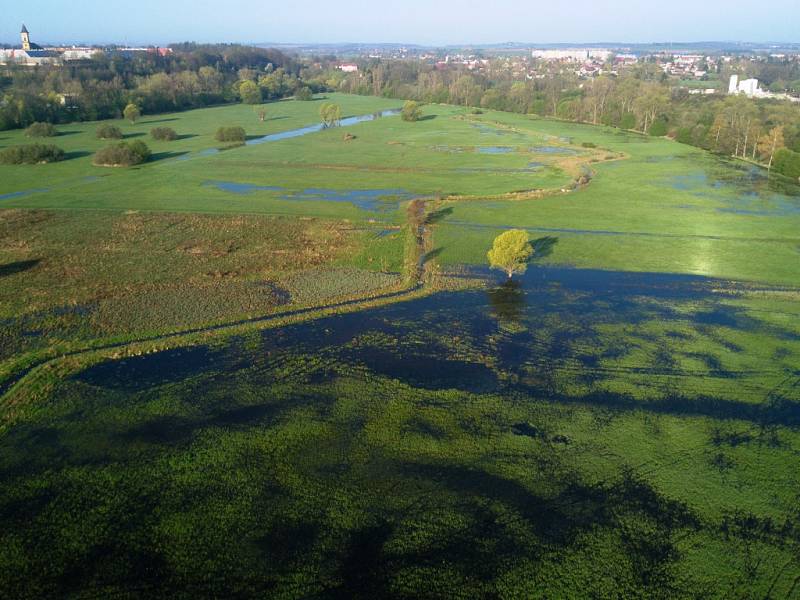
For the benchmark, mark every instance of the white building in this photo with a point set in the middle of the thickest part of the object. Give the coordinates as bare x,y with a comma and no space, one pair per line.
348,68
573,54
748,87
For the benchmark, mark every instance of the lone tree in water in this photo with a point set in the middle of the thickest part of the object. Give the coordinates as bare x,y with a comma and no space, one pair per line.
331,114
132,112
511,252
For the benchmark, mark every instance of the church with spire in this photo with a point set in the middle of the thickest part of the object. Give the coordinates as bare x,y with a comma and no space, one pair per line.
30,54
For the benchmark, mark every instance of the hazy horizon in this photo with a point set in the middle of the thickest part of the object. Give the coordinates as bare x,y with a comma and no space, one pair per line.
448,23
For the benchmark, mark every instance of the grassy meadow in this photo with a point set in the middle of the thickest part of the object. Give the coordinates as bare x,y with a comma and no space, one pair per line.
620,422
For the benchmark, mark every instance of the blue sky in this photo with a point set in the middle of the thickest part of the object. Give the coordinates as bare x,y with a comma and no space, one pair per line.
411,21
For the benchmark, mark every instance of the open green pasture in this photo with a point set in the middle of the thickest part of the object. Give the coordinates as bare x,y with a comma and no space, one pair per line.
620,422
442,155
664,207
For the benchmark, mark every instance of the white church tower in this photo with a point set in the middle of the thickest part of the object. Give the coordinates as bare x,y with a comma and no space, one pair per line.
26,38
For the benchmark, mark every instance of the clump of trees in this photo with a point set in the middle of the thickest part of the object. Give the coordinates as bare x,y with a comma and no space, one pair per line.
231,134
250,93
132,112
411,112
32,154
163,134
123,154
109,132
41,130
331,114
511,252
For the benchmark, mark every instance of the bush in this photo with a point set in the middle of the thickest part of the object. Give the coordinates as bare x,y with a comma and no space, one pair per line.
411,111
658,128
231,134
787,162
32,154
109,132
304,94
164,134
41,130
123,154
589,145
628,121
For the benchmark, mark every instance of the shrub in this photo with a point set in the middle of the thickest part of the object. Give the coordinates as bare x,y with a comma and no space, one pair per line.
658,128
684,135
164,134
787,162
123,154
628,121
132,112
32,154
41,130
109,132
411,111
304,94
231,134
589,145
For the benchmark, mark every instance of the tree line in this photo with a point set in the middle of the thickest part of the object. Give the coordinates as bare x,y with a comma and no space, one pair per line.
193,76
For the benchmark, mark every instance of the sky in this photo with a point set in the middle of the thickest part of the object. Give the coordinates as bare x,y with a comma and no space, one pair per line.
427,22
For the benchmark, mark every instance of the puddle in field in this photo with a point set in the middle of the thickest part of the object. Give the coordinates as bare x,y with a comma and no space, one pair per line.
494,149
13,195
741,191
384,200
369,200
241,188
553,150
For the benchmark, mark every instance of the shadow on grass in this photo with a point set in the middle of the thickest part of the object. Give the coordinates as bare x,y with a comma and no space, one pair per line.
186,136
65,133
427,118
439,215
18,267
133,135
156,156
76,154
543,247
429,256
158,121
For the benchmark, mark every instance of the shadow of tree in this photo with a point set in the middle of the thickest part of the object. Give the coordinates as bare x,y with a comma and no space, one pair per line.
438,216
18,267
543,247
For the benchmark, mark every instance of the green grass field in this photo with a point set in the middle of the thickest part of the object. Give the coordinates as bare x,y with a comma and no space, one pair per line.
620,422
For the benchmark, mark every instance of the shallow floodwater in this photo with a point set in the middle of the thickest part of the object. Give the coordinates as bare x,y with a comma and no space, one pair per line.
346,122
539,334
741,190
383,200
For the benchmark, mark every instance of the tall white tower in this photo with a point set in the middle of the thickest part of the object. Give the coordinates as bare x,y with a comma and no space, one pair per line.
26,38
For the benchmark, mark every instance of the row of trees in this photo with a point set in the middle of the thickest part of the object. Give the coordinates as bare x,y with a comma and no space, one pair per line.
191,77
